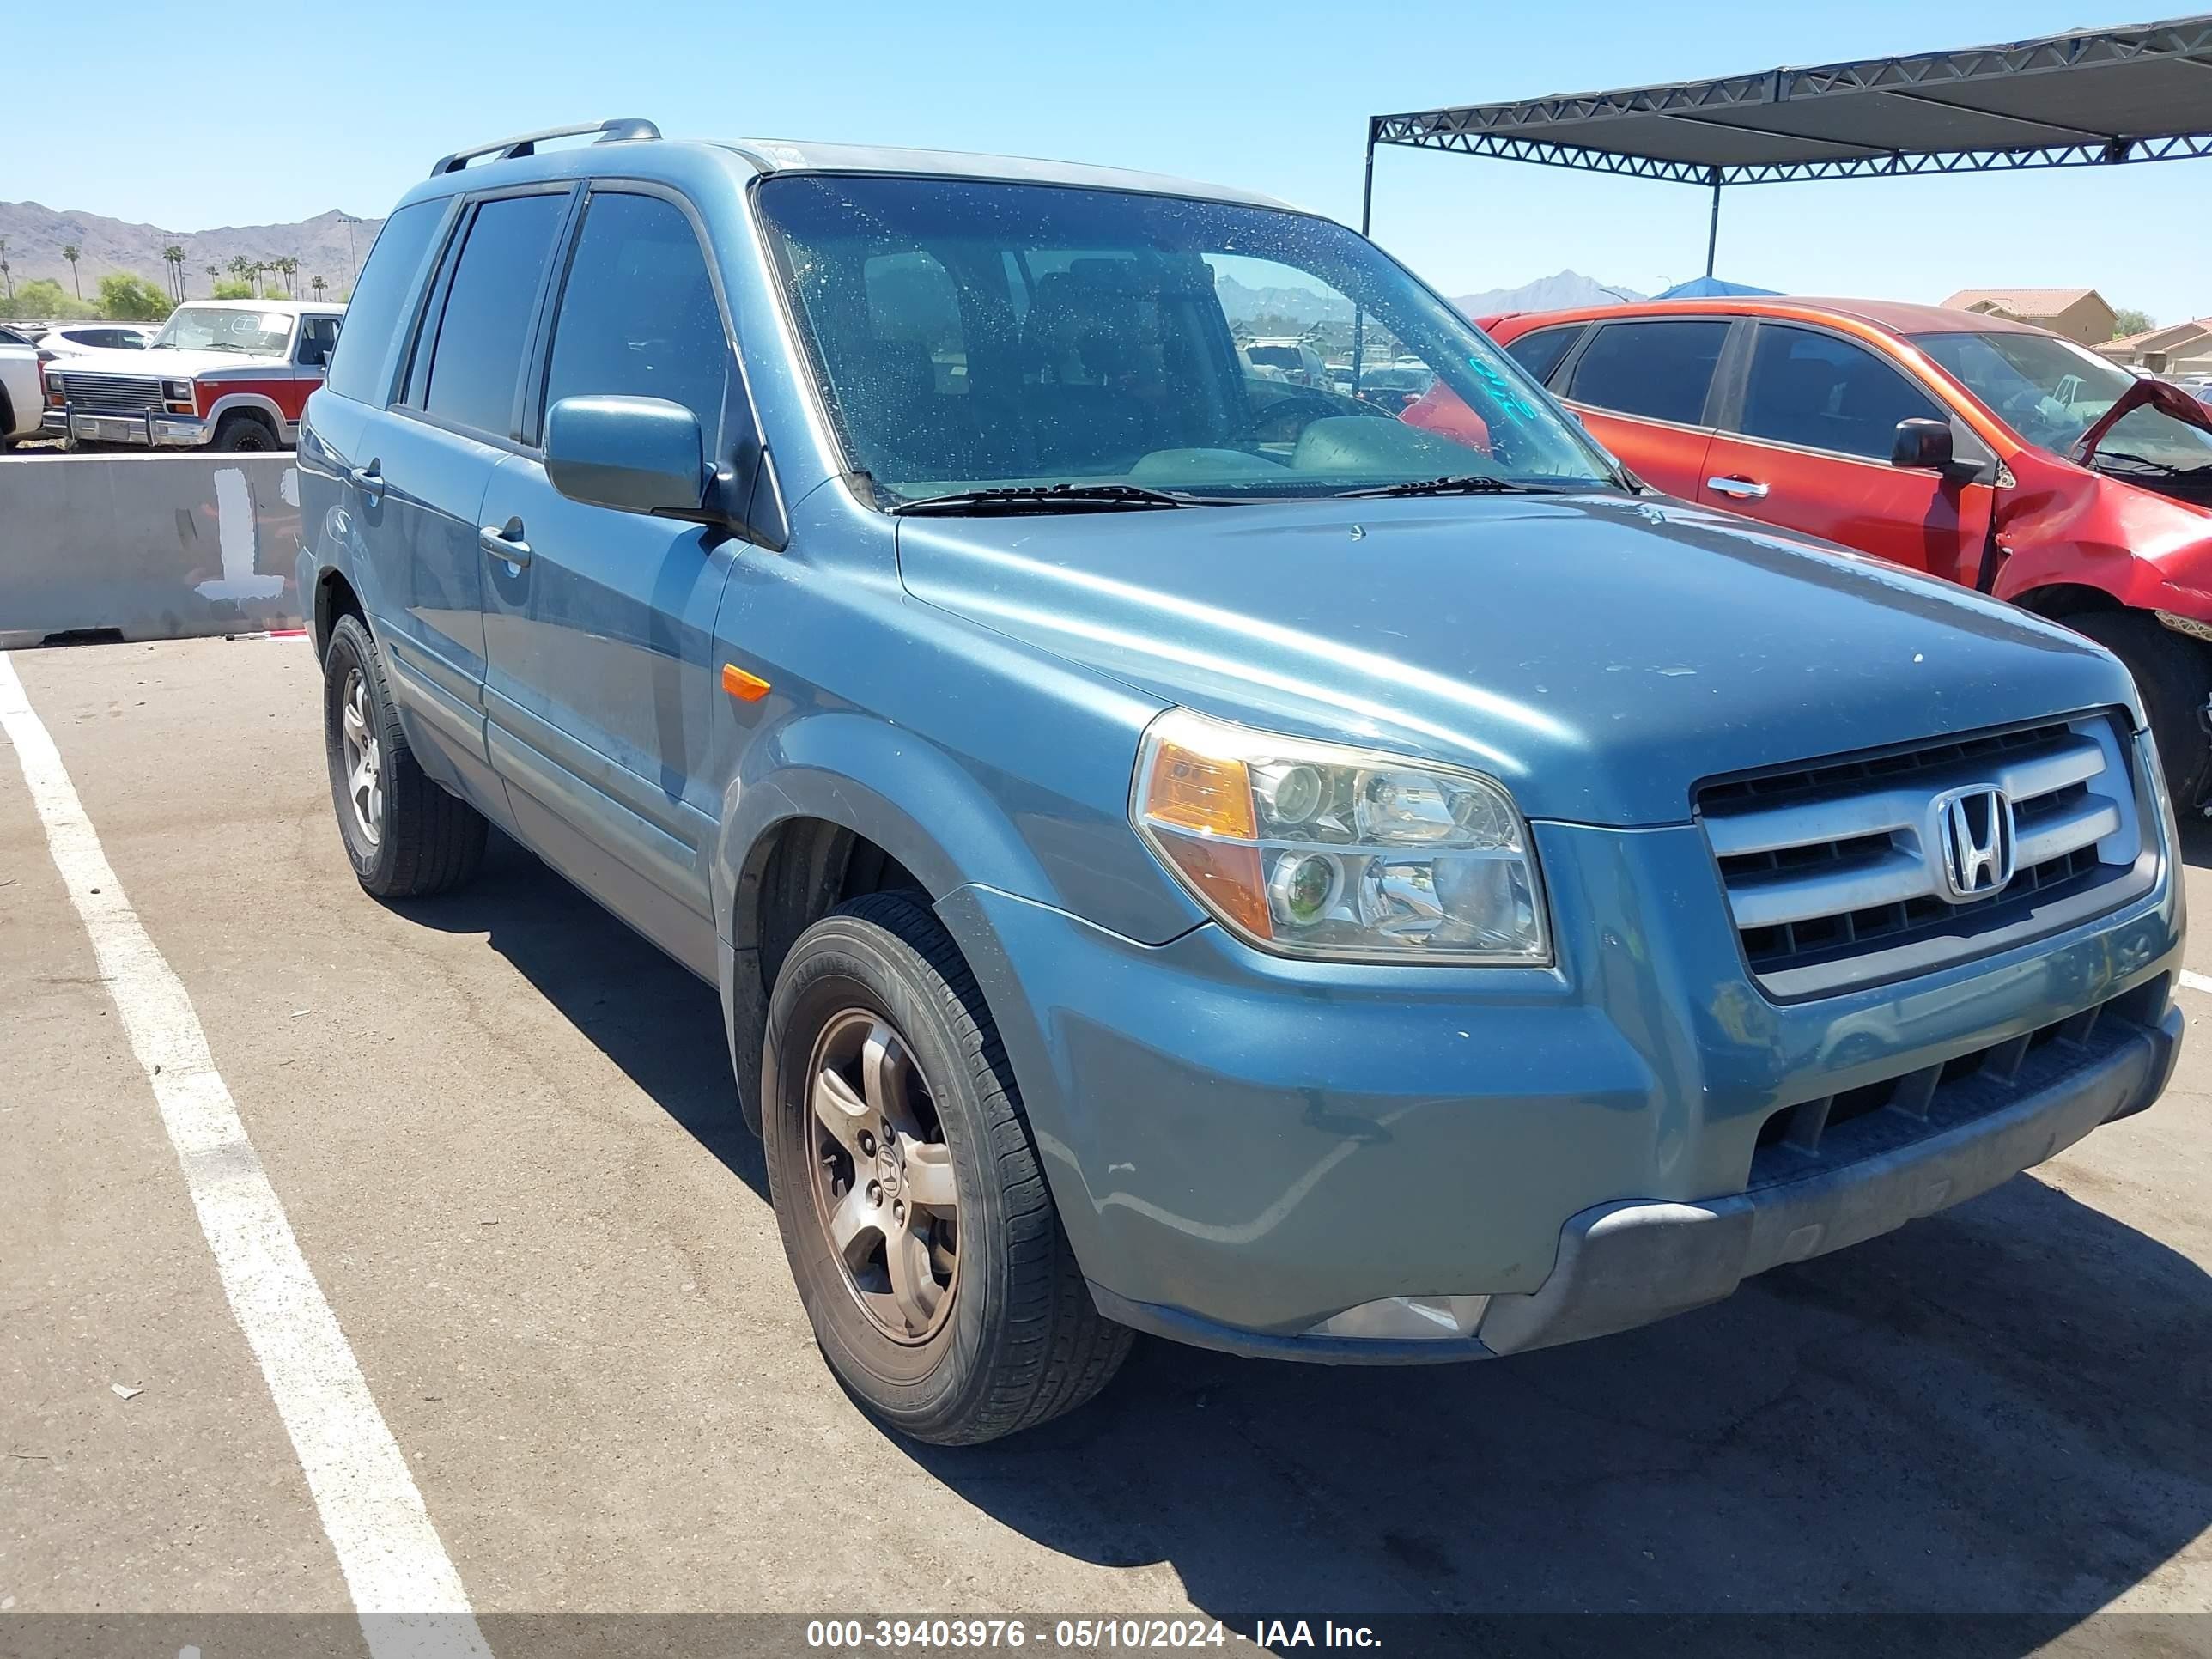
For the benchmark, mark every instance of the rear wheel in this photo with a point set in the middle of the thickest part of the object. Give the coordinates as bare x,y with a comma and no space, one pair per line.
913,1211
406,837
2173,674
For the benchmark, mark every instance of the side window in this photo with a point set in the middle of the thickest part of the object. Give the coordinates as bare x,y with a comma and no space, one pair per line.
379,298
1826,393
478,361
1660,370
1540,351
318,336
638,318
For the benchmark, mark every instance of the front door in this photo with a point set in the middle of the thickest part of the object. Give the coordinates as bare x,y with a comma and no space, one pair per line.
604,683
1808,446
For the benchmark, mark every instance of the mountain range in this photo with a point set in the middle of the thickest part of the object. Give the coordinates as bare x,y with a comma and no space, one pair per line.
35,234
1554,293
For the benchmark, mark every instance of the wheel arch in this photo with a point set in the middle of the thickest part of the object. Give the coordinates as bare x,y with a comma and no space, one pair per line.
829,823
248,403
2059,599
334,597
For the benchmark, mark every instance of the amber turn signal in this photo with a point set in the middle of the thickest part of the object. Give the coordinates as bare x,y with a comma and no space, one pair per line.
746,688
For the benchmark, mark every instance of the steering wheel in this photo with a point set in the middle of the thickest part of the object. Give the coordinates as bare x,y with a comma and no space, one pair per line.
1281,421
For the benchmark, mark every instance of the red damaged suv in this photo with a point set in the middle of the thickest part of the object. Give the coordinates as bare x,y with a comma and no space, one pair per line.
1993,453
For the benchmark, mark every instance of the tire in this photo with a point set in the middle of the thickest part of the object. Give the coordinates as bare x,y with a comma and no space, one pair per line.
244,433
1012,1338
406,837
2174,676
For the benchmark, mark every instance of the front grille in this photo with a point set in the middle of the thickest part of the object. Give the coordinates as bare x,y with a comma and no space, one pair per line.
127,394
1838,863
1799,1140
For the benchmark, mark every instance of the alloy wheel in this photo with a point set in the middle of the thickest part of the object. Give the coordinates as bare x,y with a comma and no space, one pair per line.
363,757
882,1176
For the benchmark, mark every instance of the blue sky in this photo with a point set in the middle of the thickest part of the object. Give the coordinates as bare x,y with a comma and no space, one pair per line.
1272,96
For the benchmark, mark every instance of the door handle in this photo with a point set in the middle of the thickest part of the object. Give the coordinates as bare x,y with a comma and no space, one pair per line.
369,480
1744,489
504,542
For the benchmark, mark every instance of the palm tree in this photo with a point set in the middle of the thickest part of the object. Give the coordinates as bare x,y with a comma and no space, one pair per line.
241,267
70,252
215,275
288,267
173,257
7,271
317,284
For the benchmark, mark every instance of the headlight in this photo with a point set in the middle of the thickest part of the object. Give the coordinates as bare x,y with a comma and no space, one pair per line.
1318,849
177,391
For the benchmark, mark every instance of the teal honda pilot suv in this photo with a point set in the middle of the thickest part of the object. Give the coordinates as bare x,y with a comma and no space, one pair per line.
1182,850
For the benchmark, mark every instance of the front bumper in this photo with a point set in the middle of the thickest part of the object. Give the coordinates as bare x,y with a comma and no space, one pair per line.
152,431
1242,1148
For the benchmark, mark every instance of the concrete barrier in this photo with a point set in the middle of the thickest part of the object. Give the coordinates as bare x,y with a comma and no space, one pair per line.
154,547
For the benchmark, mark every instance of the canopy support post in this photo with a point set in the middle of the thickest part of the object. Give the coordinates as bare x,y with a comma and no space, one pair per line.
1367,191
1712,230
1366,217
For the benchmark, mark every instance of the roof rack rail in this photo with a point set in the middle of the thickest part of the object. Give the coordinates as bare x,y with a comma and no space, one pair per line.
527,144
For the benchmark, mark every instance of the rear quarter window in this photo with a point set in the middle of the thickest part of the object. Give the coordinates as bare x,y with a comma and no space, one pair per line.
1540,350
372,314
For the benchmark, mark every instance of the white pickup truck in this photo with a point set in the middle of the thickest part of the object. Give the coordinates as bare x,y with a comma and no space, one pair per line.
19,389
221,374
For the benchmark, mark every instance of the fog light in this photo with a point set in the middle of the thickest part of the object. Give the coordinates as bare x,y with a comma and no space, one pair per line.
1400,1318
1302,888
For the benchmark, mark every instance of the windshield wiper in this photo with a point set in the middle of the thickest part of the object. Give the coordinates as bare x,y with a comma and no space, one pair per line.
1467,483
1047,498
2164,469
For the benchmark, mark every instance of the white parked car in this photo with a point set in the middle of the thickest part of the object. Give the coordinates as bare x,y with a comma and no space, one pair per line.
69,339
19,389
221,374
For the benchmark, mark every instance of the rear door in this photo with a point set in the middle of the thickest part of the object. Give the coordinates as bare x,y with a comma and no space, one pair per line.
603,681
422,465
1806,442
1644,387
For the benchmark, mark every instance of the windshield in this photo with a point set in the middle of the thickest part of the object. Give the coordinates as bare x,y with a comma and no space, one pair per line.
975,335
218,328
2051,392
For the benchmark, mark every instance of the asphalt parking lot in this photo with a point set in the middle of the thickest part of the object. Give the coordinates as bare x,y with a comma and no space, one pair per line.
503,1133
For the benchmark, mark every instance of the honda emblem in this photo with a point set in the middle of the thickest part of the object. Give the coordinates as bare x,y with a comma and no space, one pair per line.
1974,830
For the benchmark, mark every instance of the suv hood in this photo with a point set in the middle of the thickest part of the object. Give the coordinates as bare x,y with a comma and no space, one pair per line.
1599,654
162,362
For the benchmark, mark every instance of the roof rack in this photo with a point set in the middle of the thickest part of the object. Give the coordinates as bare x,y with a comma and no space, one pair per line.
527,144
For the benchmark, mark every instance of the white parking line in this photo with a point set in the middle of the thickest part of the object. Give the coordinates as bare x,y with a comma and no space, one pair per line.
2196,981
410,1599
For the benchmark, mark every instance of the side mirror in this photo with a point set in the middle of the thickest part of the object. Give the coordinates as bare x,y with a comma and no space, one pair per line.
1922,444
634,454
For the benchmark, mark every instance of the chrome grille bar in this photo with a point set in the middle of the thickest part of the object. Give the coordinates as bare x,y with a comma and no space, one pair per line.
127,393
1841,859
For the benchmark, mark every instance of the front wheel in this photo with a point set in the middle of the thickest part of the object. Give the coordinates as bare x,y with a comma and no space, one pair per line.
2173,674
914,1210
243,435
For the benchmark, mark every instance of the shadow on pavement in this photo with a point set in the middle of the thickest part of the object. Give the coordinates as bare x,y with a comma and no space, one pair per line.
660,1025
2005,1409
2196,840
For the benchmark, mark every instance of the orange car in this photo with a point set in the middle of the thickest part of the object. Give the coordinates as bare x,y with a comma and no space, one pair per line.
1994,453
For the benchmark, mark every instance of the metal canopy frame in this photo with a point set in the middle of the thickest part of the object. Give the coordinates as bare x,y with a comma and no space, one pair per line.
1839,120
